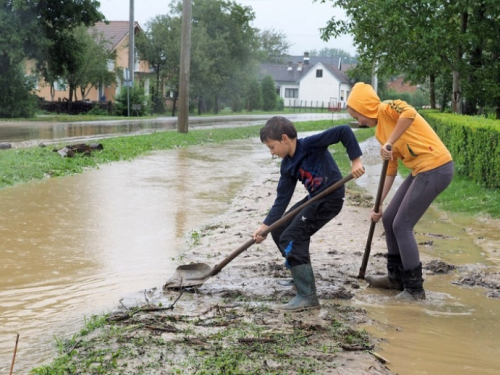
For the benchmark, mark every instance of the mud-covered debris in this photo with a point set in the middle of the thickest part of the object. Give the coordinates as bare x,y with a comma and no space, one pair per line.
81,148
438,266
426,243
490,281
339,293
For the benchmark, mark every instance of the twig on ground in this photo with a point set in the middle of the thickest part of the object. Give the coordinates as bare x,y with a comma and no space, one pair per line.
14,356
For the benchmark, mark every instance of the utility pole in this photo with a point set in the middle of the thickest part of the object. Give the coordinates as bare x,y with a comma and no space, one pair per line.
375,77
183,116
131,55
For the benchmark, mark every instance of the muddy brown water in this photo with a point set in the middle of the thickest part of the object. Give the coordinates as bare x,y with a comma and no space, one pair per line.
50,132
74,246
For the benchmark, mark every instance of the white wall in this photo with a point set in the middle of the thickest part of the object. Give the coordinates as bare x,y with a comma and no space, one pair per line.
289,102
319,90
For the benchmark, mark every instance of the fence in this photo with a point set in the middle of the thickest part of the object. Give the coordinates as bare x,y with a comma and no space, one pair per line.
313,106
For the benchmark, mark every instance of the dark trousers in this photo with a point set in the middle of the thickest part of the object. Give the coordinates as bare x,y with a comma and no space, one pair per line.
411,200
293,238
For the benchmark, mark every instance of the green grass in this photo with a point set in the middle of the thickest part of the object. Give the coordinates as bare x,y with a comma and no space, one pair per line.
200,346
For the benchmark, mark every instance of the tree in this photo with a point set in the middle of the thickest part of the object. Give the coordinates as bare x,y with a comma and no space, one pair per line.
62,53
16,99
269,96
41,30
430,39
273,46
92,67
229,47
254,95
160,46
334,52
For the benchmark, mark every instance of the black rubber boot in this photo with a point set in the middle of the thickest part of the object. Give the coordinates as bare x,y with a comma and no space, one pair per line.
393,278
306,299
413,284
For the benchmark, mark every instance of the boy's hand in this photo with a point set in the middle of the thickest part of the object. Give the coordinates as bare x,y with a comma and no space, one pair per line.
357,169
256,235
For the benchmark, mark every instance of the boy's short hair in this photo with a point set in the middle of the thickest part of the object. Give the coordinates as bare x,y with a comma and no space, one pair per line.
275,128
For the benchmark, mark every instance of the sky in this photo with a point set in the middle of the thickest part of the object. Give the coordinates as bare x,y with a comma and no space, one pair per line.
299,20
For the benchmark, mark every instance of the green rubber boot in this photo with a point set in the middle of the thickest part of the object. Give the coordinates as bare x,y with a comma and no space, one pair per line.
306,299
393,278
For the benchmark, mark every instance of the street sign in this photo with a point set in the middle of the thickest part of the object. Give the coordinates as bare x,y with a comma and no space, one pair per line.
128,83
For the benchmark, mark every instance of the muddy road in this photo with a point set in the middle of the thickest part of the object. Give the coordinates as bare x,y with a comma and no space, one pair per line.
76,246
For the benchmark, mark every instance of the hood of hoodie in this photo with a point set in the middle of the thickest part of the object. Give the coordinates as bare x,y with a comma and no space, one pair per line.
363,99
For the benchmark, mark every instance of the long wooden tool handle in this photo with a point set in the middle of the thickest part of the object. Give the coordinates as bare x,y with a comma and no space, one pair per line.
378,198
280,222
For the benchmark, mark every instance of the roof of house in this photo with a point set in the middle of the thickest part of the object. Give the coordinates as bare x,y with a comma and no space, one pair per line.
398,84
313,60
294,72
114,31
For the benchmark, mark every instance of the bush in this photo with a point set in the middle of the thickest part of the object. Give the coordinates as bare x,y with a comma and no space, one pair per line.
16,97
269,95
474,143
136,96
254,96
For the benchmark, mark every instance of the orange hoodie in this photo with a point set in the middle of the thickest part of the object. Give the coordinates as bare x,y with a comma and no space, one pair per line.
419,147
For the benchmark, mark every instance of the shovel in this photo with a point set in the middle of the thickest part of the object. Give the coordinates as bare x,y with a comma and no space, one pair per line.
366,255
195,274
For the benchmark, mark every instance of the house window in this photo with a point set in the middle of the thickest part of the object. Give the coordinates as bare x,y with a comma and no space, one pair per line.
319,73
341,94
291,93
61,85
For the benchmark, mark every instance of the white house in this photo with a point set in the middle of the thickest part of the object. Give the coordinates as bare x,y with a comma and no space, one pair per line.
316,82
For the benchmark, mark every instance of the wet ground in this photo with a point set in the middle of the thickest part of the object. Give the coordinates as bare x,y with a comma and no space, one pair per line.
75,246
32,133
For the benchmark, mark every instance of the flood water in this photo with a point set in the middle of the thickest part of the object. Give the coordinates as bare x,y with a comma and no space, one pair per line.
74,246
51,132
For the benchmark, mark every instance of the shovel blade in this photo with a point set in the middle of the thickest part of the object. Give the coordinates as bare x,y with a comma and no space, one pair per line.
189,275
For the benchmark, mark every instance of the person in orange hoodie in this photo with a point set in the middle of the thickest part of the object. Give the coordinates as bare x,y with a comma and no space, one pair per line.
403,135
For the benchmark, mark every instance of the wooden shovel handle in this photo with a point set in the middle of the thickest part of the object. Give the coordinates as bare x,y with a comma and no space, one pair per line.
378,198
280,222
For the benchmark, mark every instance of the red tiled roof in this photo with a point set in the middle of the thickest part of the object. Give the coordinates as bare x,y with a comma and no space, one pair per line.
114,31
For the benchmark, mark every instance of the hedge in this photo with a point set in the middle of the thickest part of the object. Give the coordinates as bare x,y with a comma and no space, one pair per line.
474,143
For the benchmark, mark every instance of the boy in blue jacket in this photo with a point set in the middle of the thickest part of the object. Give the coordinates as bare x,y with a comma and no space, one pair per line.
309,161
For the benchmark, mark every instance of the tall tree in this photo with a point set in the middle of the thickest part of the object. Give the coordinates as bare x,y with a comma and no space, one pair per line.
160,46
41,30
92,69
334,52
229,45
273,46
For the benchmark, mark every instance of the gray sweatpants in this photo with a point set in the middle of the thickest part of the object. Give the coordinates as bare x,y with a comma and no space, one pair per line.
408,205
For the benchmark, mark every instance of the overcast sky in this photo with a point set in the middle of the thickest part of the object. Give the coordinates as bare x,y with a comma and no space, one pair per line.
299,20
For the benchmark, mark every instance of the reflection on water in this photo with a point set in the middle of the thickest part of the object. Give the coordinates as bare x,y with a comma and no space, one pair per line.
60,131
74,246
